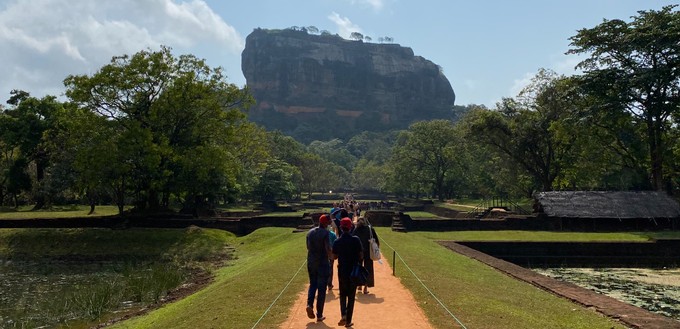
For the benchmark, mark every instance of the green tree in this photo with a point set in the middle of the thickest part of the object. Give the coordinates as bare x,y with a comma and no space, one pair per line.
285,148
372,146
633,67
312,29
334,151
277,180
527,129
356,36
85,146
26,120
369,176
311,169
427,152
178,126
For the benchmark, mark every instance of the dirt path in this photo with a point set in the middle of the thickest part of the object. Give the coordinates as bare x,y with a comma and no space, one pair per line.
388,305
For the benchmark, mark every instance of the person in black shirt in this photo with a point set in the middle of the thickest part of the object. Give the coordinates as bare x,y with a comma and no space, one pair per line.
318,267
348,251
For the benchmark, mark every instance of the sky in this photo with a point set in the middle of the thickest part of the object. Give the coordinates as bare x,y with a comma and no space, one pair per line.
488,49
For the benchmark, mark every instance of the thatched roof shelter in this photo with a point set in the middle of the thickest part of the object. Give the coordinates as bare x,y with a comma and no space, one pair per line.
598,204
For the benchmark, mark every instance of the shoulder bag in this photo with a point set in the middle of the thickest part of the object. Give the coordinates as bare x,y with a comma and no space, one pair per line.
359,275
374,249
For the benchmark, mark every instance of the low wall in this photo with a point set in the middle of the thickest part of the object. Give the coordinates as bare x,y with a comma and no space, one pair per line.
240,226
617,224
472,224
381,217
660,253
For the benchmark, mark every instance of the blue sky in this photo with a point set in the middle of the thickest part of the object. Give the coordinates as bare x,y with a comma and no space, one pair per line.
488,49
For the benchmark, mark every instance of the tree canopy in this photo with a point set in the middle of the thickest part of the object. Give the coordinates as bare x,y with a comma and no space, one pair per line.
633,67
177,127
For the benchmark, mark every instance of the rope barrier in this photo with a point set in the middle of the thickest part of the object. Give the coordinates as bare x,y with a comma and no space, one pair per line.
281,293
424,286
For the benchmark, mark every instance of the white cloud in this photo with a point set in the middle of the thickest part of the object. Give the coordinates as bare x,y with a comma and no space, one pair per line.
375,4
43,41
562,65
345,26
519,84
471,84
566,64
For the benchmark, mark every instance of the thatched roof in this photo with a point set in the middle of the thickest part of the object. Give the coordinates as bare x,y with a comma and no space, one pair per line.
595,204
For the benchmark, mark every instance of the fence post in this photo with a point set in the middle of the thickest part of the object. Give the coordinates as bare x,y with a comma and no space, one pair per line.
394,262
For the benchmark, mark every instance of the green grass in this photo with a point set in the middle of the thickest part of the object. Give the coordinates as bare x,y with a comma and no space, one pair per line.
118,244
236,209
77,277
298,213
267,260
24,212
421,214
458,207
534,236
480,296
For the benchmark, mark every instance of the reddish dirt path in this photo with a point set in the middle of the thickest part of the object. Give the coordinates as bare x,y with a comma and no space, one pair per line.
388,305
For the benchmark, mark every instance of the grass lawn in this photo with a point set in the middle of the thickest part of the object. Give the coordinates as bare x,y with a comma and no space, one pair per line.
480,296
24,212
267,260
421,214
298,213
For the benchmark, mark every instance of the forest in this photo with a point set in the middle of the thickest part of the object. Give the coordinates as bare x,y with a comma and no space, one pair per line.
159,131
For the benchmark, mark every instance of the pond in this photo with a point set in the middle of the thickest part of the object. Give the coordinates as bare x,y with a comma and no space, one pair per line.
78,293
656,290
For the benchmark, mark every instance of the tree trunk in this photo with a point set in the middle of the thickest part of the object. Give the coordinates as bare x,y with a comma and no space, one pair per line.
152,200
120,196
654,137
39,197
165,199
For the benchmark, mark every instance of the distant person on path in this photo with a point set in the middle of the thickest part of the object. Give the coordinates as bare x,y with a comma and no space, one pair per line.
348,251
318,266
364,232
332,237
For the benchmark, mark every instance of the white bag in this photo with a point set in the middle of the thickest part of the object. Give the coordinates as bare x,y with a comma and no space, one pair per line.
374,249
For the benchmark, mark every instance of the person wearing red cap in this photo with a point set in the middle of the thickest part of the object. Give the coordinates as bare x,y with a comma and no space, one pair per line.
318,267
348,251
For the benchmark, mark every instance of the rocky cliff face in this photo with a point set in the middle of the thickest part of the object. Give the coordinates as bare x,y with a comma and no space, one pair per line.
323,86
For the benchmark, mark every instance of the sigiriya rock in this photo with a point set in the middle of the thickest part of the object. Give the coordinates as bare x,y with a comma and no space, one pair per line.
323,86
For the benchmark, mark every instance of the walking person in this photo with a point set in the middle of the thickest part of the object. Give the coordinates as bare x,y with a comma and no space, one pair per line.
347,250
332,237
318,267
364,232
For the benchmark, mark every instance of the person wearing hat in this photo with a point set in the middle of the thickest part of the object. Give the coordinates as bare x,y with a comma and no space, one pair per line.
318,267
348,251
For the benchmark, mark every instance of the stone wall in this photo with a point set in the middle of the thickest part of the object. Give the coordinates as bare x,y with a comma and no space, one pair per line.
583,254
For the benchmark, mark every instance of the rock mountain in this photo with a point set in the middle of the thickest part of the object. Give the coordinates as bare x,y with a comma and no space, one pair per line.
323,86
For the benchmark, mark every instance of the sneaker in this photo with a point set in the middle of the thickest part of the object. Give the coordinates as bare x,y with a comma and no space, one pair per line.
349,325
310,312
319,319
342,322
